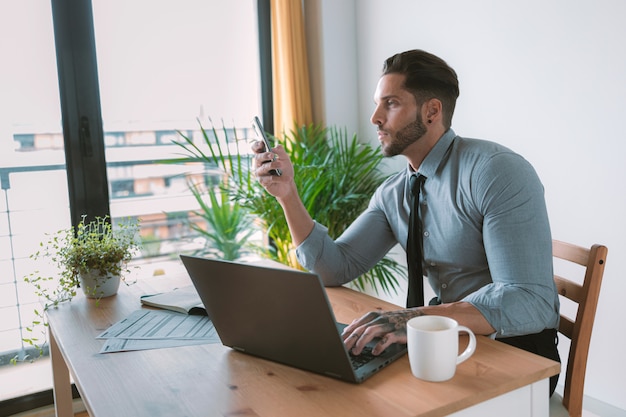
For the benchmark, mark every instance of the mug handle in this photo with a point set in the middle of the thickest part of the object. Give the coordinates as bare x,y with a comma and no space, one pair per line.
471,346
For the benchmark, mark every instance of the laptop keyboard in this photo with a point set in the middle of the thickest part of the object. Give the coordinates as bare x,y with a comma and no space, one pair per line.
360,360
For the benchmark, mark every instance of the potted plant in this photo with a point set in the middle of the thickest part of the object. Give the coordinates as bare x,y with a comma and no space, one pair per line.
335,175
93,256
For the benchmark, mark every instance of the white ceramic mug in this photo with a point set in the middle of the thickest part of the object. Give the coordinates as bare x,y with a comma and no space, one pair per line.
433,345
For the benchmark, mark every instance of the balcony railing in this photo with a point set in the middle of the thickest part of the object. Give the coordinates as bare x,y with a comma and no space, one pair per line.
35,203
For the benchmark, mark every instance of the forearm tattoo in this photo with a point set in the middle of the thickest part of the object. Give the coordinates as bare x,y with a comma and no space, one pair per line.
401,317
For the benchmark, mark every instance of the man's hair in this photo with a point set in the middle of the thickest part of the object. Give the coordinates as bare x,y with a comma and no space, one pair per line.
426,76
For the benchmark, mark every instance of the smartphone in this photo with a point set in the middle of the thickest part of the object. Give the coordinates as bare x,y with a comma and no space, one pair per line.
260,132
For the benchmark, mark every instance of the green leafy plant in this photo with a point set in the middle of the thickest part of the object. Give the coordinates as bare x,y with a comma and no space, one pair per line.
336,176
229,225
92,247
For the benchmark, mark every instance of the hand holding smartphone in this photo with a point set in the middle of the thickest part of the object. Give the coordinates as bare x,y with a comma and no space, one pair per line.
258,127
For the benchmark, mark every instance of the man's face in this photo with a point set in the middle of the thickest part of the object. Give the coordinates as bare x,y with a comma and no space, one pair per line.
396,115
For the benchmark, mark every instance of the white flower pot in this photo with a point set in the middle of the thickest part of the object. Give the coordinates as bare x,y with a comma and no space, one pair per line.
95,285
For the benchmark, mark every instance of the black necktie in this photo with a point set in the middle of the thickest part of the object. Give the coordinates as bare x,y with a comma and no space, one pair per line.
415,296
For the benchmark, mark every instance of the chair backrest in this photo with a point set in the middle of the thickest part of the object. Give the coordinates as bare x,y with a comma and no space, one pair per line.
579,330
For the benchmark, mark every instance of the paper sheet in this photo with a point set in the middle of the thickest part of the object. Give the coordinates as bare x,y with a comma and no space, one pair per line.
154,329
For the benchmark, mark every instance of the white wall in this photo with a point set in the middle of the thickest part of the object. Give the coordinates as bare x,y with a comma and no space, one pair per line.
546,78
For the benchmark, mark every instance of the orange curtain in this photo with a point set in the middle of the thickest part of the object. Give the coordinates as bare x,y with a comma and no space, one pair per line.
290,71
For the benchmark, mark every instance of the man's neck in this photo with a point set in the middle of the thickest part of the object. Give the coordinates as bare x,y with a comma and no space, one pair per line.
418,150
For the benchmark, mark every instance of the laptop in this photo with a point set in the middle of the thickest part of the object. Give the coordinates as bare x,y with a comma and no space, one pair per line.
282,315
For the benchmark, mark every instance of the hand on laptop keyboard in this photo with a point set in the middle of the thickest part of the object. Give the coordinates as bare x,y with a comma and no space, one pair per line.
389,327
361,359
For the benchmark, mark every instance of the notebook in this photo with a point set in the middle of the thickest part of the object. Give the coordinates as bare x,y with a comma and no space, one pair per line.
278,314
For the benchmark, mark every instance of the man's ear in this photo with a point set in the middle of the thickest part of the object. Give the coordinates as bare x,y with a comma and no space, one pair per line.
432,110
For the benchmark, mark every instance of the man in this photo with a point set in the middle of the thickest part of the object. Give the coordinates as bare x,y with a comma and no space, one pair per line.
487,248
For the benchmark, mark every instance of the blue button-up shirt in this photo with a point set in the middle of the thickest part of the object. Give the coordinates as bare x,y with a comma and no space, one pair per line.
486,234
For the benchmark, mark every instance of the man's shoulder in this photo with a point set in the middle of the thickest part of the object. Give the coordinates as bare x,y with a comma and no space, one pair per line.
470,152
482,146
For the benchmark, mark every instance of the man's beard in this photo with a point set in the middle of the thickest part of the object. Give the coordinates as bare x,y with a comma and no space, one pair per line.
406,136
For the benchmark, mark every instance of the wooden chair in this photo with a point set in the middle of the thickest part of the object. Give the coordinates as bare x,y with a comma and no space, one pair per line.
579,330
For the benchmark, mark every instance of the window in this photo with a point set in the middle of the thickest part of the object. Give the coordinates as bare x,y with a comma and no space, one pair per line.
160,65
32,163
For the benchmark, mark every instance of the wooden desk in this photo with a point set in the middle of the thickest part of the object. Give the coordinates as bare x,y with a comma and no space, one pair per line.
212,380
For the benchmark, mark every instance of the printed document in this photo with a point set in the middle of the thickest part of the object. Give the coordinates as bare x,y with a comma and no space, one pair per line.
153,329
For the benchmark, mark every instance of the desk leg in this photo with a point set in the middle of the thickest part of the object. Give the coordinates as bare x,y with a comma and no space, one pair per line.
540,400
62,388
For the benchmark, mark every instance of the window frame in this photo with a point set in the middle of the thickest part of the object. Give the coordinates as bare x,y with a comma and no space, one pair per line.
80,109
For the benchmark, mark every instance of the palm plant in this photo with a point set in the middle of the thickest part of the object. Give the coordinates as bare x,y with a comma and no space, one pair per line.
335,175
229,224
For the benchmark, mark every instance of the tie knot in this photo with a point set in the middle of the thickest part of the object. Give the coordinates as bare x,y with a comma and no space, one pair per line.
416,182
